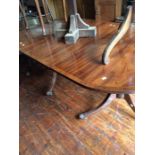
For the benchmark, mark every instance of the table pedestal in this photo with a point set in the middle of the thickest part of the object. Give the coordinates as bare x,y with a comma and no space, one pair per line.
78,28
108,100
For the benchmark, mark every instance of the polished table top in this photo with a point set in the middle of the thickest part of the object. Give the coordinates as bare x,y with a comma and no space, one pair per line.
81,62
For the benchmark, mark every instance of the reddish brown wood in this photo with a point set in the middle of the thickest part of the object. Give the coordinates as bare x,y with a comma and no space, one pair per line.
118,36
46,11
81,62
48,125
40,17
65,10
103,104
108,10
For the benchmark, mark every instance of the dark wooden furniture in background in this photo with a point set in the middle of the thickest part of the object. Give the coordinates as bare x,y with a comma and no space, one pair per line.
47,13
23,15
86,8
108,10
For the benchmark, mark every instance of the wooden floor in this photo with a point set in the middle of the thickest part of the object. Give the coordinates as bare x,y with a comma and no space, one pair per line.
48,125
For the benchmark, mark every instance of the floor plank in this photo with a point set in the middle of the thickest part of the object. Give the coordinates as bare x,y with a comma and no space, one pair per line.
48,125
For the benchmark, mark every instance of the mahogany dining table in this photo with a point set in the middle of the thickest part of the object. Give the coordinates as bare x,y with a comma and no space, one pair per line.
82,62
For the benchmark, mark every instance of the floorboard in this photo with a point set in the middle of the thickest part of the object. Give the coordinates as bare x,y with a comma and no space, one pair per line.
48,125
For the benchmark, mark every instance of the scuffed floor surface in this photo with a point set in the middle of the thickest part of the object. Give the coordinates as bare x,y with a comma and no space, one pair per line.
48,125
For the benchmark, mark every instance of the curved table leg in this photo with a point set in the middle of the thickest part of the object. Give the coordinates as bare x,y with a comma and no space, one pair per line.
106,102
130,101
50,91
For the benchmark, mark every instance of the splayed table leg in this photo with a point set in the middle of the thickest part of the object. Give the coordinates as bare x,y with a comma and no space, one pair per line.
104,104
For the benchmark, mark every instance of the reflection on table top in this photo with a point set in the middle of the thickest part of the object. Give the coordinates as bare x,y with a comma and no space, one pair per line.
81,62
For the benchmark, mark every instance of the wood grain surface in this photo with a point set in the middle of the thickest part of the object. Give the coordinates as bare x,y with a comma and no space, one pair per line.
118,36
82,62
48,125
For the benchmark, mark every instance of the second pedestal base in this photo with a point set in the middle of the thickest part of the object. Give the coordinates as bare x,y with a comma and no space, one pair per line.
106,102
78,28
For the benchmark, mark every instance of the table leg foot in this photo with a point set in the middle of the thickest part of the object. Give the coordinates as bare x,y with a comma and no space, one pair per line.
50,91
130,101
105,103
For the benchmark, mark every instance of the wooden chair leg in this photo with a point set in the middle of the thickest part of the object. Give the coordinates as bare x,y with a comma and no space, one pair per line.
130,101
65,11
24,15
46,11
49,10
105,103
50,91
40,17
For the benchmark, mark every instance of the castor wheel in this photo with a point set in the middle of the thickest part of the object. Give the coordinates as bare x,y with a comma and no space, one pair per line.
49,93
